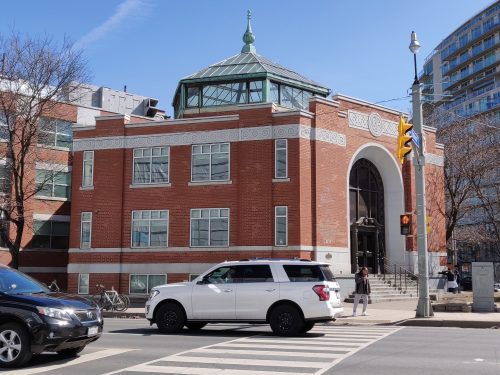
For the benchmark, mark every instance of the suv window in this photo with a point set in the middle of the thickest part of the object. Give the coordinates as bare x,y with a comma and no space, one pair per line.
301,273
221,275
253,274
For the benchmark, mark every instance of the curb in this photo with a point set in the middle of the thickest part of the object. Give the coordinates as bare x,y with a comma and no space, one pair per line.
431,322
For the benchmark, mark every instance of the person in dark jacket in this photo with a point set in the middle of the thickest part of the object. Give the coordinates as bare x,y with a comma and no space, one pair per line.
362,290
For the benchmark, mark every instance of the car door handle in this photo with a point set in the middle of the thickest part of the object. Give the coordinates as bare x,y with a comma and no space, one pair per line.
227,290
270,290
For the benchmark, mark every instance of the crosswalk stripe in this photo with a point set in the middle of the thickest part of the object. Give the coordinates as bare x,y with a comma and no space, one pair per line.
237,361
264,343
283,346
203,371
331,339
82,359
265,352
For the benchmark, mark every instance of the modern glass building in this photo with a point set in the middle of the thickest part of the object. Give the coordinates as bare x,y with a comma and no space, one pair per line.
243,79
461,76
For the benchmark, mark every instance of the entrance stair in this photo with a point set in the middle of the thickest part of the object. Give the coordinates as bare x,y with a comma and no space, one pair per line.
388,287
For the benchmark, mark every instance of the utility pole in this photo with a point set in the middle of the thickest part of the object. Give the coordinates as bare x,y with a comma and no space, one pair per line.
423,308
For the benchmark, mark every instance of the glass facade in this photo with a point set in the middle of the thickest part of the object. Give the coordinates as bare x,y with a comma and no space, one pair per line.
289,96
220,94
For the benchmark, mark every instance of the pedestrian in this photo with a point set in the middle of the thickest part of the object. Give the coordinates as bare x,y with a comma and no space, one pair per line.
362,290
458,277
451,281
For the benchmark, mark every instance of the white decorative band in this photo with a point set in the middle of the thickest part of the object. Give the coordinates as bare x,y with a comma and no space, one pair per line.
191,249
213,136
46,217
373,123
53,167
434,159
43,269
144,268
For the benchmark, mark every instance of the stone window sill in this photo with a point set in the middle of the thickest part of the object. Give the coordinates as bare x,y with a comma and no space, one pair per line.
281,179
145,186
202,183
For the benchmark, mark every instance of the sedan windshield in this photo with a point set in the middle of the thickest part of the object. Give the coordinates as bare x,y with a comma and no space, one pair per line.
15,282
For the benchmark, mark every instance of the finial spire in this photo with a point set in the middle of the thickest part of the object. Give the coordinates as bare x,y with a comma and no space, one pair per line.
248,37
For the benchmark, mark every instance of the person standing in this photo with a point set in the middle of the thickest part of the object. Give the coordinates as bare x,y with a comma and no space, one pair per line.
362,290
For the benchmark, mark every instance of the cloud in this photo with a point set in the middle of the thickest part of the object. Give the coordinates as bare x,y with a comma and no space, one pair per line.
122,12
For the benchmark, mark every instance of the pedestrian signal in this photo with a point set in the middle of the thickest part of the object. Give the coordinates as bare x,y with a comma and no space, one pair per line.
405,224
404,139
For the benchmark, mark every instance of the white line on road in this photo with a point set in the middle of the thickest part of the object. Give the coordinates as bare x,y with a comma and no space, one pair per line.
204,371
264,352
82,359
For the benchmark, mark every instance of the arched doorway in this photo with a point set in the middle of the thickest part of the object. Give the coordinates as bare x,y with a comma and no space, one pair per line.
367,219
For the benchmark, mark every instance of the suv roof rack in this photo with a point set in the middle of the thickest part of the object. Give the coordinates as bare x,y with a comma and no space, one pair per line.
277,259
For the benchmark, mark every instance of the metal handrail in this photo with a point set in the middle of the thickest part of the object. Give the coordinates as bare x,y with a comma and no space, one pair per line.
403,274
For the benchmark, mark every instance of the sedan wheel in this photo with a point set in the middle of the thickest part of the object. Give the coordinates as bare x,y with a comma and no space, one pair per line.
15,347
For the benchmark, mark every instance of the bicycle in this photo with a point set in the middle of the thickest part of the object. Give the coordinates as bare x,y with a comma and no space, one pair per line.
53,287
110,299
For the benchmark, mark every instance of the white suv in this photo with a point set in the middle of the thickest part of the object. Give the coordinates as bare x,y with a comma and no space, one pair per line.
290,295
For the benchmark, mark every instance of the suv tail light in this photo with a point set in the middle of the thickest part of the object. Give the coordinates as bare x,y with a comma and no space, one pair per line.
322,291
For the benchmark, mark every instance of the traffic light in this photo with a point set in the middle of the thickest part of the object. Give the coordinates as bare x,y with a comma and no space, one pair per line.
404,139
405,224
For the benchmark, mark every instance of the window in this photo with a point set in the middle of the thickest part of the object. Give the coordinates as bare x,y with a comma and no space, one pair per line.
210,162
149,228
4,128
193,97
305,273
142,284
255,92
85,230
281,225
253,274
4,179
210,227
50,234
151,165
88,169
53,183
83,283
53,132
274,92
281,158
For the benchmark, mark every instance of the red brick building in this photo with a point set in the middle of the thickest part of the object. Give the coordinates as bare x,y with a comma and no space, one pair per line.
257,162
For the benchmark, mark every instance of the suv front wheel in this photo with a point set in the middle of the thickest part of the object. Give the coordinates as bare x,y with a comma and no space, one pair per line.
170,318
286,320
15,349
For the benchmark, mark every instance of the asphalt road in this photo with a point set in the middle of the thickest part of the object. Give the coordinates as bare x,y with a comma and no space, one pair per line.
131,347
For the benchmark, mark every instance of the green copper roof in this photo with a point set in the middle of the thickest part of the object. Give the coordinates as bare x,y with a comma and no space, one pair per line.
250,63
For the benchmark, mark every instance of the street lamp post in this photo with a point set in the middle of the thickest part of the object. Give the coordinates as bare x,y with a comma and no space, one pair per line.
423,307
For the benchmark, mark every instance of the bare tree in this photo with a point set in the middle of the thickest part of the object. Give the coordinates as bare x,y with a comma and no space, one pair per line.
470,178
37,78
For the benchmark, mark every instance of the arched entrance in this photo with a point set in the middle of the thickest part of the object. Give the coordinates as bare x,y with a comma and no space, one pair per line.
367,218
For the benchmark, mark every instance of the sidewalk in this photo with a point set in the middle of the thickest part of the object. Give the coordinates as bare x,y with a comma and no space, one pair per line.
388,313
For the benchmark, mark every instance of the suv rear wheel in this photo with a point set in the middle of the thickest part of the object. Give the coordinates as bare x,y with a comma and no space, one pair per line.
307,326
170,318
15,348
286,320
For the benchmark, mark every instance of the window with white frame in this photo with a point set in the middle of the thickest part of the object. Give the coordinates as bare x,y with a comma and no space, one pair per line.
4,179
53,183
88,169
210,162
281,225
55,132
149,228
151,165
281,158
50,234
85,230
142,284
4,128
83,283
210,227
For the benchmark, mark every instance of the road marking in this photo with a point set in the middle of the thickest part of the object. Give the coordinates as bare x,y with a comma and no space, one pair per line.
81,359
247,355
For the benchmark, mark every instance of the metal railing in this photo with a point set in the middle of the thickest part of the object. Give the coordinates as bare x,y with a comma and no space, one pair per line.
401,276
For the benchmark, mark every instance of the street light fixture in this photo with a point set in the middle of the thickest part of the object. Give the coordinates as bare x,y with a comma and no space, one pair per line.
423,308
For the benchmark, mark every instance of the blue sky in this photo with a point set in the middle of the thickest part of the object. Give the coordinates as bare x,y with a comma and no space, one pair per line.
354,47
